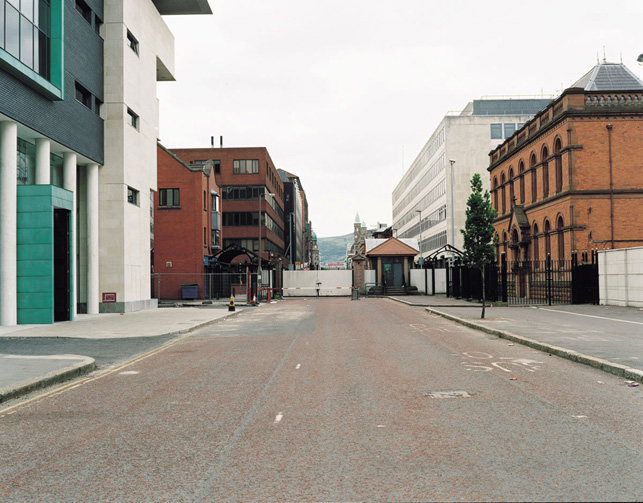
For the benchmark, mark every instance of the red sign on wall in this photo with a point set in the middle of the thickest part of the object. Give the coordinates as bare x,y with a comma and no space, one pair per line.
109,296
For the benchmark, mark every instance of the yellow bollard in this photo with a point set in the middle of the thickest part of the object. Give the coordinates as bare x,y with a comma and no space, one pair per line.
231,305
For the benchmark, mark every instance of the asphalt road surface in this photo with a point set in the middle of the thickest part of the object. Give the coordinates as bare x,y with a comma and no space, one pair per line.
329,400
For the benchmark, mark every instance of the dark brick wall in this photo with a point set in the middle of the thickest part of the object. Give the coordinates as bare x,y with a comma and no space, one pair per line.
67,122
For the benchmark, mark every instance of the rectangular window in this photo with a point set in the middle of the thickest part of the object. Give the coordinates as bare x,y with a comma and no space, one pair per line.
245,166
98,22
132,43
132,196
97,106
132,118
83,96
509,130
169,198
496,131
84,10
12,34
217,167
1,24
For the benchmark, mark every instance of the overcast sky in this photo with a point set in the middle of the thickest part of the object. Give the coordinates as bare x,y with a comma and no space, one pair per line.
346,93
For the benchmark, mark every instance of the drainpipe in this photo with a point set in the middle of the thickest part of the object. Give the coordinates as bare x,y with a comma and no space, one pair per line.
609,143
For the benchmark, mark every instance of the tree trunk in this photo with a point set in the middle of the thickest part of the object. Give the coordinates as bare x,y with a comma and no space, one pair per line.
484,293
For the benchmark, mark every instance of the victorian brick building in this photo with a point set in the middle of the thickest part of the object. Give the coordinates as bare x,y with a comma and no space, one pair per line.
570,180
187,223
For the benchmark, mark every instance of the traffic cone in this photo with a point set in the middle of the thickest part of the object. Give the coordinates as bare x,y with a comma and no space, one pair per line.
254,300
231,305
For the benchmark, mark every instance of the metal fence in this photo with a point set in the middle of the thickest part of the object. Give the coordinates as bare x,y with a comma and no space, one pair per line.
211,286
529,282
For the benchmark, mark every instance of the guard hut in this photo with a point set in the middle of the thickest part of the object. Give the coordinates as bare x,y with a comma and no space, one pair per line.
392,259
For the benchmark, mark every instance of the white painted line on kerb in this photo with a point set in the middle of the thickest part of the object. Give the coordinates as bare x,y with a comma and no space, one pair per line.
279,418
589,316
298,366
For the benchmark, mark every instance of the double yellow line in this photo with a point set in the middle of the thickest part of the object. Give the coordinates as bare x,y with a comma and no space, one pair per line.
86,380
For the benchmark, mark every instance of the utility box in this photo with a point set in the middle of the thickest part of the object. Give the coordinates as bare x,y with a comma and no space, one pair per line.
189,291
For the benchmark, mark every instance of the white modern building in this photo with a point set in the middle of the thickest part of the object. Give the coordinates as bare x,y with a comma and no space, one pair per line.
429,202
78,133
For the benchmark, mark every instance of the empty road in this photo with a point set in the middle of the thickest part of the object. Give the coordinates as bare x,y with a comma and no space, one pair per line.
329,400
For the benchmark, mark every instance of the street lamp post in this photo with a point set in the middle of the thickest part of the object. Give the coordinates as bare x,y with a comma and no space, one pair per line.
421,260
263,195
452,161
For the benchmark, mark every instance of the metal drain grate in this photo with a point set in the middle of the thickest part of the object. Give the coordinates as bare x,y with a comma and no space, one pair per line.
447,394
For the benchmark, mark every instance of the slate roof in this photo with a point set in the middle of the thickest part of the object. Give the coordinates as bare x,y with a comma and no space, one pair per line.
609,77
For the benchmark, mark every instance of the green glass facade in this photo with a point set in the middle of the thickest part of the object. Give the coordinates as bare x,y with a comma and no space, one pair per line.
32,43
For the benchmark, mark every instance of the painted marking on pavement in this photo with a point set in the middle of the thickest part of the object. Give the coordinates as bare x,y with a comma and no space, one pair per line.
298,366
279,418
590,316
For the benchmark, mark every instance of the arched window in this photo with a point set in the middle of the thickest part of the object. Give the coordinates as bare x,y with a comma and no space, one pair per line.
496,240
559,165
547,239
534,178
504,243
545,173
503,194
521,174
534,241
495,193
512,195
561,238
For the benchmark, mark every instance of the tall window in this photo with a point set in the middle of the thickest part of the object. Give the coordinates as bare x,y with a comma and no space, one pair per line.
561,238
25,33
535,243
512,195
558,163
534,178
503,194
545,173
495,193
521,173
169,198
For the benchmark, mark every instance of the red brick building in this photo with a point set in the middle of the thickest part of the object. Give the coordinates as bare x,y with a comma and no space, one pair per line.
571,179
244,174
186,224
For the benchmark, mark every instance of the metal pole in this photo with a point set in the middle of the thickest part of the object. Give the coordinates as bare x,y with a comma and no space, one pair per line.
452,217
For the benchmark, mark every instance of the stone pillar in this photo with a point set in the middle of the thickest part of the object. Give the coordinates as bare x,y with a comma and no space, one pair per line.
92,240
358,274
8,223
43,161
69,183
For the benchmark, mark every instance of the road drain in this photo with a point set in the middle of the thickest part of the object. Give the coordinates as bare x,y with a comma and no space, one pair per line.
447,394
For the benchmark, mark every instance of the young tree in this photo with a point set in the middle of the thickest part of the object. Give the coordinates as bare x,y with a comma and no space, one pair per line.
478,231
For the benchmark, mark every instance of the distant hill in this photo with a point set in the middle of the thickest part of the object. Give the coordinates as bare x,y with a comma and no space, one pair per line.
333,249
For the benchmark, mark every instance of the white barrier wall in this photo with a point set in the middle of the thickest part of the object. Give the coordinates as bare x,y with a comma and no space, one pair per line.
305,283
620,277
418,279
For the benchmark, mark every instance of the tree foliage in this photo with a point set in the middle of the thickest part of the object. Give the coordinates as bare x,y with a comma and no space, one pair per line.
478,230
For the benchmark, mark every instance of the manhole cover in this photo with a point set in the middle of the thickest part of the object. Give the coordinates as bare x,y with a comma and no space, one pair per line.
447,394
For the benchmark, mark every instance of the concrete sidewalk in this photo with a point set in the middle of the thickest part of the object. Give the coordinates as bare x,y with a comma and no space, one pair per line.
609,338
22,374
